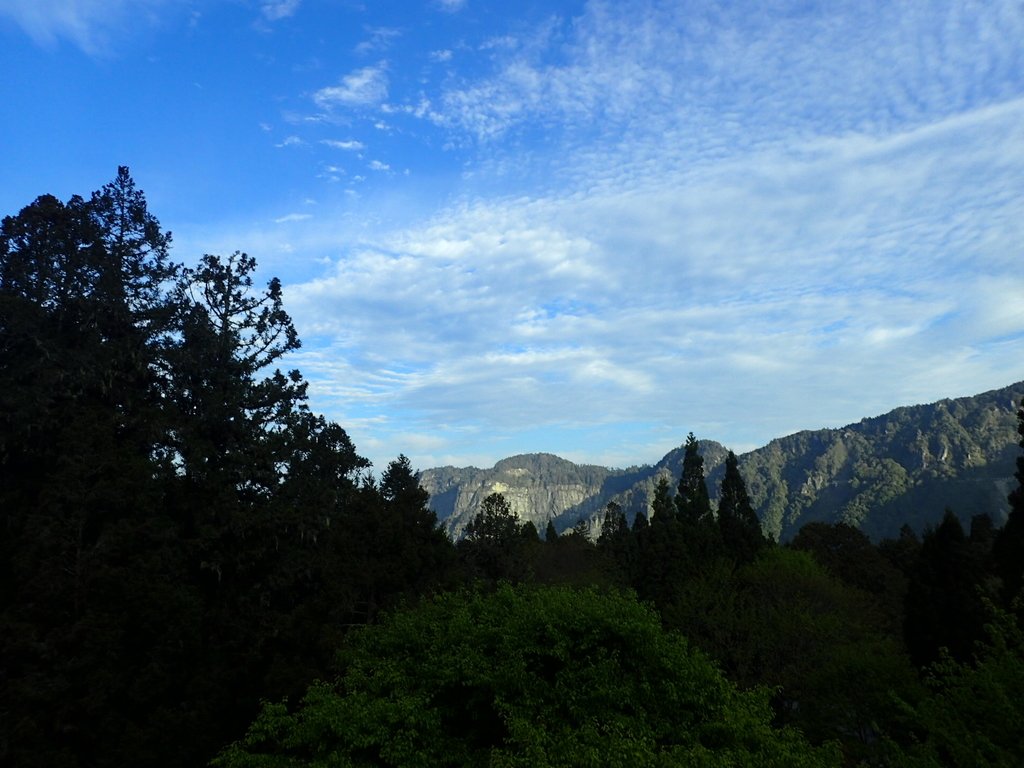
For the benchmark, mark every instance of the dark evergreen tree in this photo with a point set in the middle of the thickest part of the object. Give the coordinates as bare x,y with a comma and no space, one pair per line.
640,522
983,532
693,510
662,507
550,534
618,545
529,532
945,597
493,548
902,552
613,525
393,547
95,618
692,500
495,523
737,521
179,535
400,486
1008,547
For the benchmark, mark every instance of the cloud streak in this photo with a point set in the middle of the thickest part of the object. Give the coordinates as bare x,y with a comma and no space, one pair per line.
590,227
820,282
91,25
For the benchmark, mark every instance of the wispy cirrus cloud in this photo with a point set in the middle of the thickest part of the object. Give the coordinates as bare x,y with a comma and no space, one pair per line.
451,6
813,207
363,87
378,39
719,70
675,297
349,145
275,10
293,217
92,25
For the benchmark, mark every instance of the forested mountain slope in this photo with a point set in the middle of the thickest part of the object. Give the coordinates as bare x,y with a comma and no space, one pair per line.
904,467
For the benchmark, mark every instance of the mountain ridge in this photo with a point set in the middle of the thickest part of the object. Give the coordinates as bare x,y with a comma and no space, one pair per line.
878,474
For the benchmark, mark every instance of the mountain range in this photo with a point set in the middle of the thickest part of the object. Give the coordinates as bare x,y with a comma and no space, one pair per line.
905,467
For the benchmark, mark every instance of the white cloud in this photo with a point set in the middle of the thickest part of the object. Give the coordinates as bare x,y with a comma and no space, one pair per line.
380,39
362,87
291,217
350,145
290,141
716,72
821,284
91,25
276,10
451,6
740,224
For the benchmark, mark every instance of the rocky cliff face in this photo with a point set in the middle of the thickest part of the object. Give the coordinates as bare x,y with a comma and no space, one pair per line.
905,467
539,487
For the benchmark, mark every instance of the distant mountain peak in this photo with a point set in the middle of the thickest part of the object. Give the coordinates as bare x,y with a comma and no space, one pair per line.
904,466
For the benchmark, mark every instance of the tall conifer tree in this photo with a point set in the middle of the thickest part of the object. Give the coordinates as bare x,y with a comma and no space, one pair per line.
662,507
740,529
1008,548
692,500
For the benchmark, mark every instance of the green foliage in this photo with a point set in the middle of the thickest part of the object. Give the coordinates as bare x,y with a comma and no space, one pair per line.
849,555
523,676
782,621
972,713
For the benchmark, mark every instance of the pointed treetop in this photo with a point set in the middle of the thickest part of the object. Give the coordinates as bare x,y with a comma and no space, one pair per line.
692,499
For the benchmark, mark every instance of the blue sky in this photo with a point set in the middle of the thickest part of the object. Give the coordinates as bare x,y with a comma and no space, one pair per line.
578,227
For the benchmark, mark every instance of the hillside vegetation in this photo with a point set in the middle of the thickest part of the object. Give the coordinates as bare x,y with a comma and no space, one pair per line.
879,474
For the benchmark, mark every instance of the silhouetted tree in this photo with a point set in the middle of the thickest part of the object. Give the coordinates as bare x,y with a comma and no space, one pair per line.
179,535
91,571
550,534
692,500
493,548
662,506
1008,547
944,608
737,522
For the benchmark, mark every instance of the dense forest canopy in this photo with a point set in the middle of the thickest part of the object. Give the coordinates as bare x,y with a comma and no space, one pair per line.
196,567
